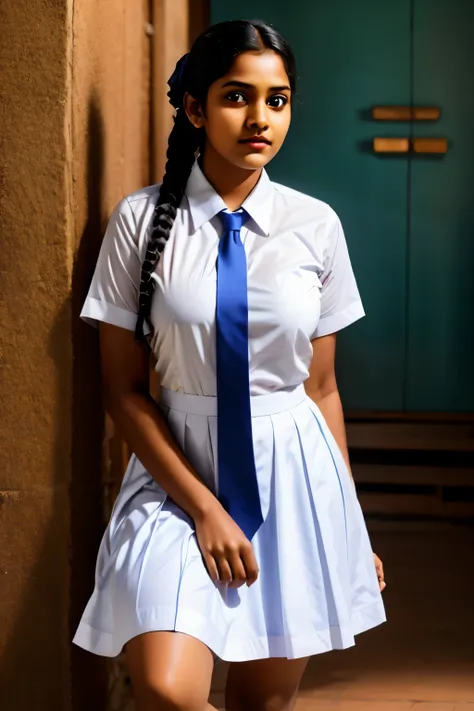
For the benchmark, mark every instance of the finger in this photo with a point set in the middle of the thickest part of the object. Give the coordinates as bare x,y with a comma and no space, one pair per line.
211,567
225,573
379,565
239,575
250,564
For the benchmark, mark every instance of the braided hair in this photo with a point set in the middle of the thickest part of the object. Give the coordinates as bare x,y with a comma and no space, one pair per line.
210,58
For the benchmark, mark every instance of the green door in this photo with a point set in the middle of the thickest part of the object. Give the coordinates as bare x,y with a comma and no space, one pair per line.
352,56
440,353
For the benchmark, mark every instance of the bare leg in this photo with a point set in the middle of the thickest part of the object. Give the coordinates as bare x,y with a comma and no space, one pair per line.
264,684
170,671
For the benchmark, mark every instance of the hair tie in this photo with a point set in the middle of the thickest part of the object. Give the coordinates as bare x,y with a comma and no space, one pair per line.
175,83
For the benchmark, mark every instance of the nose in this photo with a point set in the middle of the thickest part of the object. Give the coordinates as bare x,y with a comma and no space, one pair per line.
257,116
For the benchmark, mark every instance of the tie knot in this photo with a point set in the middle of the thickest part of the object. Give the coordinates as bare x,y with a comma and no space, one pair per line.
233,221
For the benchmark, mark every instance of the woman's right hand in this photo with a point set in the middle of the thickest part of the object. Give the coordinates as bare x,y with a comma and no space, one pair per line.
227,552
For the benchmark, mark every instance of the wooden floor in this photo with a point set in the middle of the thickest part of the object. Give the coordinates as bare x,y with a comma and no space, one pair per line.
423,658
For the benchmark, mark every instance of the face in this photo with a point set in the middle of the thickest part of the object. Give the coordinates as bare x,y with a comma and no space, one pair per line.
248,111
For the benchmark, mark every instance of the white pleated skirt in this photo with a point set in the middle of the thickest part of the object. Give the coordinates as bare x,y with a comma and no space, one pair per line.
317,586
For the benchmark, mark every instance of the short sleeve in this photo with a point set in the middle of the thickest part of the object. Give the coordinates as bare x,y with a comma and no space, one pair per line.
114,290
341,304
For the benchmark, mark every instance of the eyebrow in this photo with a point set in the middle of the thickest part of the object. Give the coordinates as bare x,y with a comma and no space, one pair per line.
243,85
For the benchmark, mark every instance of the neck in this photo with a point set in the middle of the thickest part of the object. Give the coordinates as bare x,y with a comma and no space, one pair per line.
233,184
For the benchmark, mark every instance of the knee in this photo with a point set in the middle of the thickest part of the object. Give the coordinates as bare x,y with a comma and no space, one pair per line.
163,696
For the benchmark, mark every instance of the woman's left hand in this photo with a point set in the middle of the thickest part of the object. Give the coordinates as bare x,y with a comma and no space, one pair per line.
380,573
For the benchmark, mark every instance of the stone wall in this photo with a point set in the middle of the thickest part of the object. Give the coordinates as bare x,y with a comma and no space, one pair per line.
83,121
110,131
74,138
36,262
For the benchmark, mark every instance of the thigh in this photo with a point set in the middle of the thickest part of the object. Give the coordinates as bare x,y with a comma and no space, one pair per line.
264,684
169,670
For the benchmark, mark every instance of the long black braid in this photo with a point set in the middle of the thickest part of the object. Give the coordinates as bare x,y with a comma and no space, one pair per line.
183,143
211,57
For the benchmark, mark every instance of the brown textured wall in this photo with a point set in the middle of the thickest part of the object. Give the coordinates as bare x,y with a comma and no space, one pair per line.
36,363
73,140
111,118
171,20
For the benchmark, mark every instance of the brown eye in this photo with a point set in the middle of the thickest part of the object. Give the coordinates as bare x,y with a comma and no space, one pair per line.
278,102
236,97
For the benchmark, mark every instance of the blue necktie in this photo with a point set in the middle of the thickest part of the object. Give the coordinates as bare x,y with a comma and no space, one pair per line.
238,488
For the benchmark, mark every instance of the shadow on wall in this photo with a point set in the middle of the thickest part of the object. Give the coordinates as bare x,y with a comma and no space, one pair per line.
88,673
36,645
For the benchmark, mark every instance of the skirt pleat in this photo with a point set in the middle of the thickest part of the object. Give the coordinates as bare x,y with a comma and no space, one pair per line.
317,586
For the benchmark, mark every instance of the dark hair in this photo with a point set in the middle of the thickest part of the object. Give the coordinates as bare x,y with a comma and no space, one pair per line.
210,58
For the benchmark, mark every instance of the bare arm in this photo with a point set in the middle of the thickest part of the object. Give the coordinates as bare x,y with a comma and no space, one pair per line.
321,387
227,553
125,373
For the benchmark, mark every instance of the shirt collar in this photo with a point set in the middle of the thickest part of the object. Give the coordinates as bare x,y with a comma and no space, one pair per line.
205,203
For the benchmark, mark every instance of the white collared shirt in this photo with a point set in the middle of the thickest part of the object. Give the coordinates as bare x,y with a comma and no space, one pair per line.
300,282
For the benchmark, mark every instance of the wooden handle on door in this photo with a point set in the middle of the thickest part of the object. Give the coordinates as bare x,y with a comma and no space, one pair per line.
429,145
391,145
406,113
414,145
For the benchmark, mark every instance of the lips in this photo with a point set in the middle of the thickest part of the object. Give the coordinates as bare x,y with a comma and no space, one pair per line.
256,140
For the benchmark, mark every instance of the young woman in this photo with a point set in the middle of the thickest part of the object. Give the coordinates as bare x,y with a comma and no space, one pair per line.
237,533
